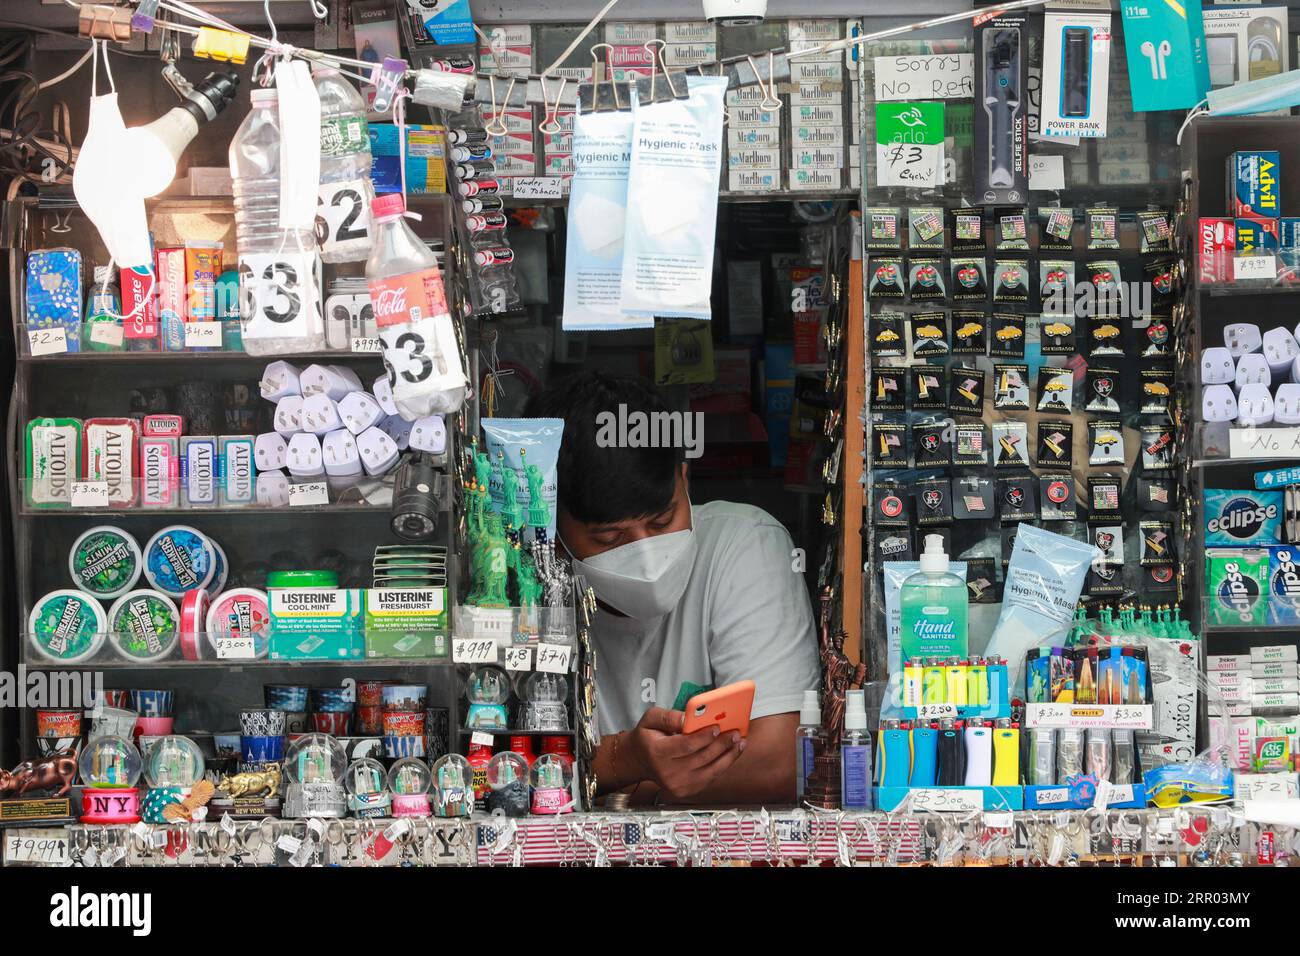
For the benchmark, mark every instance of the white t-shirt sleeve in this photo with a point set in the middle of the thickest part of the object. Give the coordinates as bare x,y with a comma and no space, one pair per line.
761,623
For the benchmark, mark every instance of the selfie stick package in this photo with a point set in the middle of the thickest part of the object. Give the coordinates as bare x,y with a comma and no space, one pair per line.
1076,67
1039,598
1002,109
531,448
672,211
593,263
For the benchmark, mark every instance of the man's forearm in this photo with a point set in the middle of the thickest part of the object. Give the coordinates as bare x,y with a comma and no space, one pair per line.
614,765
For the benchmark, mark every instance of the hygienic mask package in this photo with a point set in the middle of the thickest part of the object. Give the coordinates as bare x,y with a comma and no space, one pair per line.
524,453
896,572
672,207
1039,597
593,265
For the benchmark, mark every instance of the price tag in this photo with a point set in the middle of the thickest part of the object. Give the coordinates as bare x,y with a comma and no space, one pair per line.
1267,786
554,658
937,711
46,847
1254,267
110,333
203,335
1048,798
53,341
236,648
89,494
473,651
1114,716
661,831
791,829
942,801
519,658
540,187
308,494
1046,172
481,739
367,344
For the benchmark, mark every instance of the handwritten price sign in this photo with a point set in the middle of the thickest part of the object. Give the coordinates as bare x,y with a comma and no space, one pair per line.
473,651
554,658
909,144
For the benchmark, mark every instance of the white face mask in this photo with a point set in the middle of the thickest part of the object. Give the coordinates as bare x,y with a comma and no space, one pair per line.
644,579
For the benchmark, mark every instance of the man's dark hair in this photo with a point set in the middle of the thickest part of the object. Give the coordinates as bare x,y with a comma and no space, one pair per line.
604,485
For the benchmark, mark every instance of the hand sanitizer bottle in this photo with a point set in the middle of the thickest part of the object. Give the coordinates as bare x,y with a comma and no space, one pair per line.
855,755
933,605
805,739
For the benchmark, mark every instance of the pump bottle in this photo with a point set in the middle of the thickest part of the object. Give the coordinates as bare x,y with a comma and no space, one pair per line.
933,607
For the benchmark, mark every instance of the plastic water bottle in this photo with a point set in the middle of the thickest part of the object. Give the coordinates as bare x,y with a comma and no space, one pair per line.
343,216
255,172
415,326
279,269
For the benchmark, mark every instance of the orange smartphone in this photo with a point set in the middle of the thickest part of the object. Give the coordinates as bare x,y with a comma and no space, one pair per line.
726,708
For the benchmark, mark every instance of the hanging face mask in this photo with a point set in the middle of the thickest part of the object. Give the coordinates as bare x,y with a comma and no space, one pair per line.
299,144
103,193
644,579
1258,96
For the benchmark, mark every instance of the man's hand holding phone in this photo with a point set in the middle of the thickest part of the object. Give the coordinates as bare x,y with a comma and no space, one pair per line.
682,764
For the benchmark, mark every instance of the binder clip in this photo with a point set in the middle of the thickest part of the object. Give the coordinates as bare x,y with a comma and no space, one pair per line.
143,18
496,124
388,79
102,22
550,124
605,94
660,86
221,45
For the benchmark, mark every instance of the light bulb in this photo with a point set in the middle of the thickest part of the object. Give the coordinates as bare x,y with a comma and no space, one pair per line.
151,151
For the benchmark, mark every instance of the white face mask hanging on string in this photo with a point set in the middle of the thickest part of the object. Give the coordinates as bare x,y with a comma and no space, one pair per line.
299,145
103,191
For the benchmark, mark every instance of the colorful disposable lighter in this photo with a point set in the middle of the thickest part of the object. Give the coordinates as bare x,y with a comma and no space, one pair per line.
934,681
977,683
1038,675
895,755
1085,675
1111,678
925,756
979,754
912,683
1062,671
956,681
1006,755
951,770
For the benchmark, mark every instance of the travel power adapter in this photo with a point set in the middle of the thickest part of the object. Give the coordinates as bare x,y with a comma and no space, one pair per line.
341,455
270,451
288,415
304,459
320,414
272,488
360,411
1217,366
352,379
1254,405
378,451
1242,338
1280,349
429,435
1218,404
280,379
398,429
326,379
1253,369
383,393
1286,404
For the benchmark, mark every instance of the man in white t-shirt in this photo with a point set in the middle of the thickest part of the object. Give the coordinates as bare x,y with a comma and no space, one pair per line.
690,598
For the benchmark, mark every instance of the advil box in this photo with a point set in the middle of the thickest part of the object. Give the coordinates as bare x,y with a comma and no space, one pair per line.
1253,184
1256,235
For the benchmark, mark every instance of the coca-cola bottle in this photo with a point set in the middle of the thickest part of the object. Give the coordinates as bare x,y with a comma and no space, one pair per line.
414,323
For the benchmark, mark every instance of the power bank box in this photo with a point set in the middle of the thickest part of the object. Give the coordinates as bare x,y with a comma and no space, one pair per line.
1076,67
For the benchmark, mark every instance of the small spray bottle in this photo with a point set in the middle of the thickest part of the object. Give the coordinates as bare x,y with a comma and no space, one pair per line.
855,755
806,737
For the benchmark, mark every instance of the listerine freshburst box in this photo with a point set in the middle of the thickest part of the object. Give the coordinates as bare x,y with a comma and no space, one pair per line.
1284,585
1241,518
407,622
316,623
1236,584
